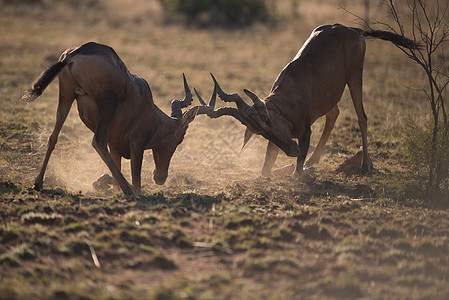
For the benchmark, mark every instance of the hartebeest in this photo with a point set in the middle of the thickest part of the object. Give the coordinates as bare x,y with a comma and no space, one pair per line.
118,107
309,87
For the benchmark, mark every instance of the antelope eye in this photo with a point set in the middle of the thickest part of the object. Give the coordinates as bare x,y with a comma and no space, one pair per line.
266,120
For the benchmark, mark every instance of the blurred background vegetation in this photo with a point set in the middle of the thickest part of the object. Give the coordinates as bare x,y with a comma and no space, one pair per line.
222,12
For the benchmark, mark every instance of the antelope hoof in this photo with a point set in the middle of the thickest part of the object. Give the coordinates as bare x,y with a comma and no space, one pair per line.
367,167
310,162
130,196
266,173
38,186
304,175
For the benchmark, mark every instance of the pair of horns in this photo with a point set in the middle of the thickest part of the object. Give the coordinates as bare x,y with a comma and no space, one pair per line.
177,105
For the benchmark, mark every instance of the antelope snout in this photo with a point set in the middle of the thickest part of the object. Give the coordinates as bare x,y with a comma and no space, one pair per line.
160,177
292,149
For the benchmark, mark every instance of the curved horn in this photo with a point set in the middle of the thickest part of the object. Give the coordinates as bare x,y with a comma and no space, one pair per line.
241,104
224,96
177,105
209,109
188,94
199,97
247,137
212,99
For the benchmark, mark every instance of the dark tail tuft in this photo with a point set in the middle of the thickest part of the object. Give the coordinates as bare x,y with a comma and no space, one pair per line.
44,80
396,39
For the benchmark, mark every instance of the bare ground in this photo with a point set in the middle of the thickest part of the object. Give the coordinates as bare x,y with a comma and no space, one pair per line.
216,229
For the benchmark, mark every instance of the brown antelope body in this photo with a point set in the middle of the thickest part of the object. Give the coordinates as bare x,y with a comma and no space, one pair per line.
309,87
118,107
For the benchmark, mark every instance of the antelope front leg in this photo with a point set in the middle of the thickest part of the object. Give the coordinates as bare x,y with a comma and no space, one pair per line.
331,117
304,143
116,157
99,143
136,166
107,104
270,158
106,181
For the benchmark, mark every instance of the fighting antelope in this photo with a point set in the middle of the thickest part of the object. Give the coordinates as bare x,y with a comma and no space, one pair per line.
309,87
118,108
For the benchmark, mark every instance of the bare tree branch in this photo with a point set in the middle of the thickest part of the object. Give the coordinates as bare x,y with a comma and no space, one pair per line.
430,28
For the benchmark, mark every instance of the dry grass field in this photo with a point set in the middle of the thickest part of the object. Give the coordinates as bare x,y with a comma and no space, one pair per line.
216,229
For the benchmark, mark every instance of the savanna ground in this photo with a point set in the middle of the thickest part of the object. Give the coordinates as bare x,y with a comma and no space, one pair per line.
215,230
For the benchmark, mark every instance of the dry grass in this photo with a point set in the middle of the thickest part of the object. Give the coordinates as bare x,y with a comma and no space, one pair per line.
160,52
227,232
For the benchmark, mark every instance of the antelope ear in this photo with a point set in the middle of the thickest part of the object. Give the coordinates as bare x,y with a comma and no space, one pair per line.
247,137
256,100
189,115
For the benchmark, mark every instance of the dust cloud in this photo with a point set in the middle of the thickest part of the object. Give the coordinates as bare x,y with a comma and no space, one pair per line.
209,157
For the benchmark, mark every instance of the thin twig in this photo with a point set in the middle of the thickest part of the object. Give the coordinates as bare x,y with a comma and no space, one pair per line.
93,254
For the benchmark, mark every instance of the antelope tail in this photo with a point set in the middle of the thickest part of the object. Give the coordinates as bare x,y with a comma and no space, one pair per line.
43,81
396,39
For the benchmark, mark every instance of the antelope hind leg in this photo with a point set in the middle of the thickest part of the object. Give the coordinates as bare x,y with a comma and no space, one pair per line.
66,98
355,87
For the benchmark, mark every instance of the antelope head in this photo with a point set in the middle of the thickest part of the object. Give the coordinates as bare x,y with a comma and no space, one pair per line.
167,144
257,118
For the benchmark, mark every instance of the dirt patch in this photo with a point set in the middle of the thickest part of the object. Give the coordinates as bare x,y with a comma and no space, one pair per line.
257,237
351,166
